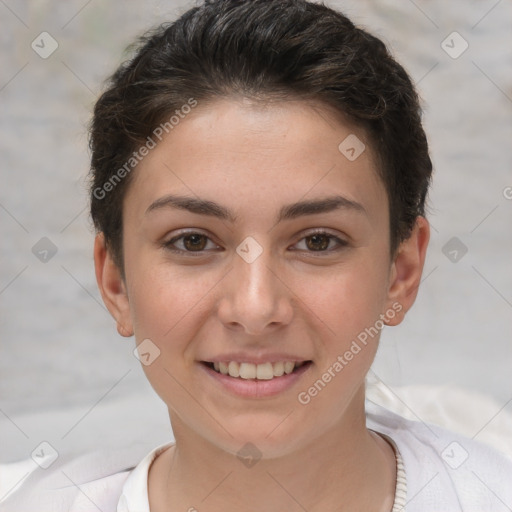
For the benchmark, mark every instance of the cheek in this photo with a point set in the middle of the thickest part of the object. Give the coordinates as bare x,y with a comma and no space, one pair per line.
346,299
169,307
348,306
162,301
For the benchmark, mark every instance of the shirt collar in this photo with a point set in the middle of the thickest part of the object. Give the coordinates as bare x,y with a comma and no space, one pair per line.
134,496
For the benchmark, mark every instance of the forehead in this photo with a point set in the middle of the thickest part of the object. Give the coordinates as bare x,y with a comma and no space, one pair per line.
259,155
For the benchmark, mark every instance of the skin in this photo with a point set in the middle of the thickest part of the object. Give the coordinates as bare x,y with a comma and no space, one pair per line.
253,160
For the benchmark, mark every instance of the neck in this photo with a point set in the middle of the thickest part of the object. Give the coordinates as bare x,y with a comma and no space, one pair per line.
346,468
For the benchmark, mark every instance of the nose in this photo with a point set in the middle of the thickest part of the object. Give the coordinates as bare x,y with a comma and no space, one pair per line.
255,299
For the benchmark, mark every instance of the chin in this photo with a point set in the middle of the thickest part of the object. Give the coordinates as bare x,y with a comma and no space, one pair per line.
264,437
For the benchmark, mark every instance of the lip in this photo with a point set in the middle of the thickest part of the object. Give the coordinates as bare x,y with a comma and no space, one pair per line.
253,388
239,357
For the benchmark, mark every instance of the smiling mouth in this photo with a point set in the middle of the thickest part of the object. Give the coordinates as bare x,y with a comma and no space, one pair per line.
250,371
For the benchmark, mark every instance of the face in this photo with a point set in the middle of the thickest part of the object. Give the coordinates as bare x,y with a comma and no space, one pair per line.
254,246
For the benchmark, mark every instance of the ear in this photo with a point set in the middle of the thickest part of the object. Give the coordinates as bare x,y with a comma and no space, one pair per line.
406,270
112,287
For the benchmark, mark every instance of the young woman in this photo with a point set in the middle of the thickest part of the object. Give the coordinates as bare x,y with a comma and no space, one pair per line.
259,174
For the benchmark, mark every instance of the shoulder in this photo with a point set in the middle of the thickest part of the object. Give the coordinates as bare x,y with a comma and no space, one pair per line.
93,479
443,468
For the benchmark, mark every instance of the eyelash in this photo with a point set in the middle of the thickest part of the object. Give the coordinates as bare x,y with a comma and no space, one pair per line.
169,244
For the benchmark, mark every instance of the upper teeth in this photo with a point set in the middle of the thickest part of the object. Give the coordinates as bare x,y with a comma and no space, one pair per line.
264,371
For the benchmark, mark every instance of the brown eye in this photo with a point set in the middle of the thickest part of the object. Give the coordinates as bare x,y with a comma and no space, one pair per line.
195,242
318,242
189,243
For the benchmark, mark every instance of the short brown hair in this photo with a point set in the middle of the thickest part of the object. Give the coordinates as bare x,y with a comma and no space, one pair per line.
262,49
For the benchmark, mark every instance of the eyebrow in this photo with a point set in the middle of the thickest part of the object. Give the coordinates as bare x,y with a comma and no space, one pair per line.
288,212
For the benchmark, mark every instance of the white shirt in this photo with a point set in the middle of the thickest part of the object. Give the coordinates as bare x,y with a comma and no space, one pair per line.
444,472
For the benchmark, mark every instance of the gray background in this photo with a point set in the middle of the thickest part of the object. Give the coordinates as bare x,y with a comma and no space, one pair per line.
65,374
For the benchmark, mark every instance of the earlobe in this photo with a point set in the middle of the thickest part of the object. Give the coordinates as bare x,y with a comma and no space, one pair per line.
112,287
406,270
123,331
